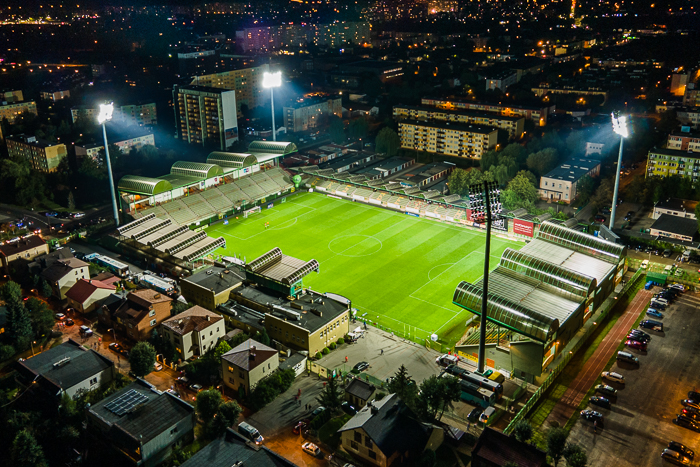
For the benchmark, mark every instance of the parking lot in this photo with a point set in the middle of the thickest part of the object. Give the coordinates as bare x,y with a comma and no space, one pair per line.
639,425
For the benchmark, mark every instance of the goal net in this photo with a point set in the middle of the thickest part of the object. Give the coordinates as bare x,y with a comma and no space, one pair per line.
248,212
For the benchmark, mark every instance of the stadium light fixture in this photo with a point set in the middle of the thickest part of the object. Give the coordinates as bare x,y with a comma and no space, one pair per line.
105,115
272,81
485,204
619,123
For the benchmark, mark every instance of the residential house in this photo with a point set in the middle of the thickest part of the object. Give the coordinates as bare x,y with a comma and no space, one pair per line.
25,249
193,332
68,368
679,228
142,311
87,295
247,364
211,287
675,207
358,393
560,184
232,449
496,449
64,273
141,424
386,432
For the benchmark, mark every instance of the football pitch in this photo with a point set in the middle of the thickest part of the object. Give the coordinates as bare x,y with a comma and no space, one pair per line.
399,271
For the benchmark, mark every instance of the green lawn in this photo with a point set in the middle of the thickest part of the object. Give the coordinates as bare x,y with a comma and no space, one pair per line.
399,271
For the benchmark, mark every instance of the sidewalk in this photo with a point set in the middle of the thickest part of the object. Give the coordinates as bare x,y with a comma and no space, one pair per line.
575,393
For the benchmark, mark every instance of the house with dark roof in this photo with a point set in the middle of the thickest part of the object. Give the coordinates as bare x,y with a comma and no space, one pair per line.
359,392
211,287
675,207
560,184
64,273
495,449
68,368
142,311
87,295
679,228
25,249
386,432
233,449
194,331
247,364
141,424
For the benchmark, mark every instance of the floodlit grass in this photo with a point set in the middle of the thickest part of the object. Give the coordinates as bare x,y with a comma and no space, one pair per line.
399,271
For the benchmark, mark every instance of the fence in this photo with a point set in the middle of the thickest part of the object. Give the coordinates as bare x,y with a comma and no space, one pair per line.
343,372
606,308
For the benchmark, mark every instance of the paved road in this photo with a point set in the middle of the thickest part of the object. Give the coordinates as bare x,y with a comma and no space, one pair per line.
596,363
639,425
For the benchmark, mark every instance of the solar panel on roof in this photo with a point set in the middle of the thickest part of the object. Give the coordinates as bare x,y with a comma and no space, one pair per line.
126,402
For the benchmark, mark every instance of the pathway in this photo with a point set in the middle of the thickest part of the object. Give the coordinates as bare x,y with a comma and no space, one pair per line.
596,363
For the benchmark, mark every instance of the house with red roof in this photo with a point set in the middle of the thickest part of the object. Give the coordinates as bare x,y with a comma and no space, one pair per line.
87,295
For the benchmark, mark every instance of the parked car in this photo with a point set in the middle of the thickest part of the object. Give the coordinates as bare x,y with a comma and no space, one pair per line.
636,345
691,411
59,316
474,415
51,214
605,389
347,408
637,337
317,411
686,422
695,396
652,324
690,403
69,322
157,366
312,449
655,313
173,392
674,457
600,219
612,376
640,333
682,448
360,367
299,427
667,253
592,416
196,387
678,287
85,331
600,402
77,215
645,264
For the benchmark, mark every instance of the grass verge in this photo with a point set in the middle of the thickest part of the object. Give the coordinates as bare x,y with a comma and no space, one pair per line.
328,433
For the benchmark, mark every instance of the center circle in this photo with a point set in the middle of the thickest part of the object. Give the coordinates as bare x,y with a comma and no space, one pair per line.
355,246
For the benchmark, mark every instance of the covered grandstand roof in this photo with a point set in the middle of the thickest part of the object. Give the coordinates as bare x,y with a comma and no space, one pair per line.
507,313
196,169
143,185
267,150
281,268
581,242
231,159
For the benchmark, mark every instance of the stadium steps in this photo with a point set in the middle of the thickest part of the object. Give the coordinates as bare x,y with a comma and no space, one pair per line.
377,195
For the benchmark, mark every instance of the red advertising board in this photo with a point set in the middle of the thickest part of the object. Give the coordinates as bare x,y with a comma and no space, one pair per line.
523,228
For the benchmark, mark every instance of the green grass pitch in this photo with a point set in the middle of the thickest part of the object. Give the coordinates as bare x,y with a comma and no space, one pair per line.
399,271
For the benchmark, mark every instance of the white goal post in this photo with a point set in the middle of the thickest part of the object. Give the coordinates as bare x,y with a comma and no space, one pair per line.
254,210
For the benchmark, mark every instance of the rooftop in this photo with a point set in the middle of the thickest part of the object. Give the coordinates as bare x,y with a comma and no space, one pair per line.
360,389
33,141
485,130
27,243
309,101
193,319
677,204
217,279
249,355
84,288
61,268
676,225
280,267
572,170
196,88
472,113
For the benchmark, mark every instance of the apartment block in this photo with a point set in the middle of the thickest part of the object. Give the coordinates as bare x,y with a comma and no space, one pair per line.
10,111
536,114
309,112
133,114
42,155
543,90
247,82
11,96
452,139
55,95
340,33
684,141
668,162
206,115
125,144
513,125
260,39
691,97
560,184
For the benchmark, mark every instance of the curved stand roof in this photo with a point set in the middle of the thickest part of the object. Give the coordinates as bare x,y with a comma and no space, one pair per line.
143,185
272,256
581,242
200,170
506,313
267,150
549,273
231,159
301,272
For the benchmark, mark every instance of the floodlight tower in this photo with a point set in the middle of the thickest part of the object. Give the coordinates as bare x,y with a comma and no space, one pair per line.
272,81
619,123
484,202
103,117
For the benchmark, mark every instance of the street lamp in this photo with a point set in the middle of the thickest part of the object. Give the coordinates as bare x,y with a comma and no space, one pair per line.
619,123
33,342
103,117
113,333
484,202
272,81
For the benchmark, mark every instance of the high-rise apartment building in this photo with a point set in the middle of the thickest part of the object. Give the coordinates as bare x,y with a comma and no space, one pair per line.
669,162
10,111
42,155
340,33
310,112
452,139
134,114
513,125
247,82
206,115
260,39
536,114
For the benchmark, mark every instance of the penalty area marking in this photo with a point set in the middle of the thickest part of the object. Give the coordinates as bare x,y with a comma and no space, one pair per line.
434,267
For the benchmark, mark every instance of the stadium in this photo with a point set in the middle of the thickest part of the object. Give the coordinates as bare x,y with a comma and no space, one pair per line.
409,258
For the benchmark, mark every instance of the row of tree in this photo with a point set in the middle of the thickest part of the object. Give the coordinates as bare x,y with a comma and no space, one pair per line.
27,320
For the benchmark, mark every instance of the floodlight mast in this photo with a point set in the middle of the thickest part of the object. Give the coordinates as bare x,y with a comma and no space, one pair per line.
272,81
103,117
619,123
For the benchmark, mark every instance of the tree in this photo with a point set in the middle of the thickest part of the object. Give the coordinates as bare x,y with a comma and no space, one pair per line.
26,452
220,349
427,459
358,128
226,416
387,142
20,326
45,289
332,396
403,386
542,161
520,193
436,395
41,317
522,431
337,130
11,293
142,358
575,456
264,337
71,201
177,307
208,402
556,443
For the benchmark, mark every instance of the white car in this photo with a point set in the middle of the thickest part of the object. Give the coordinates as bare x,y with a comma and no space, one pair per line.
612,376
312,449
645,263
677,286
157,366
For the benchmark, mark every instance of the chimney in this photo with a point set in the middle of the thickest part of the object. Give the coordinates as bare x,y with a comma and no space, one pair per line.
208,318
251,353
